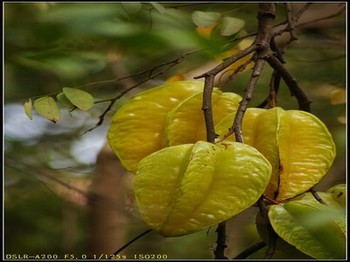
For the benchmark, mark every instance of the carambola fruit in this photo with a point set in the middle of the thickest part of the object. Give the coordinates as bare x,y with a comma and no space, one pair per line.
166,115
297,144
186,188
137,128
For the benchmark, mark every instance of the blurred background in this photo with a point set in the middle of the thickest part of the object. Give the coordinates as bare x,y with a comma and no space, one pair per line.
65,192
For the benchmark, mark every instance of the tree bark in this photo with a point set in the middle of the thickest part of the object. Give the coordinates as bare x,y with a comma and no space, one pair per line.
108,203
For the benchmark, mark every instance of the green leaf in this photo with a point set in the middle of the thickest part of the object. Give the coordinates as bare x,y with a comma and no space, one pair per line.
64,101
132,8
28,105
263,228
200,18
81,99
231,25
338,193
315,229
47,107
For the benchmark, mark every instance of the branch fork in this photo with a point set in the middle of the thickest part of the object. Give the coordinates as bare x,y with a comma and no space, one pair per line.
265,51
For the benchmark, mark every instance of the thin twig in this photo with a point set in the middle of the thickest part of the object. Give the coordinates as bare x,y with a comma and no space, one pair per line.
317,196
250,250
319,60
274,87
290,21
130,242
228,61
151,75
271,201
297,25
301,11
322,18
235,72
277,51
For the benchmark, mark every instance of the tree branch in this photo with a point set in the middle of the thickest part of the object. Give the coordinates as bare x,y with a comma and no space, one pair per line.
207,108
228,61
266,15
290,21
240,68
261,45
303,100
221,241
248,94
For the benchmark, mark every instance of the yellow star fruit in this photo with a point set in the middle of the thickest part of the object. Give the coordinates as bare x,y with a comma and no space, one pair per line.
297,144
137,128
185,188
185,122
166,115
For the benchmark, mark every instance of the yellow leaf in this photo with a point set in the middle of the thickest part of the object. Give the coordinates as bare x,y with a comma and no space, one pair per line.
205,31
47,107
174,78
28,105
338,96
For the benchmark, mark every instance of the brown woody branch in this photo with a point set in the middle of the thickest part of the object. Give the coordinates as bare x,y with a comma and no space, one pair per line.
290,21
219,251
290,80
207,108
261,46
248,94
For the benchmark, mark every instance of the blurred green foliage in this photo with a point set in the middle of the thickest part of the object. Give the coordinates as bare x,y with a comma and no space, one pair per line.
51,45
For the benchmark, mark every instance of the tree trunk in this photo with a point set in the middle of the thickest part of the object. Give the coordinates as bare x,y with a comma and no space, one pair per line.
108,203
